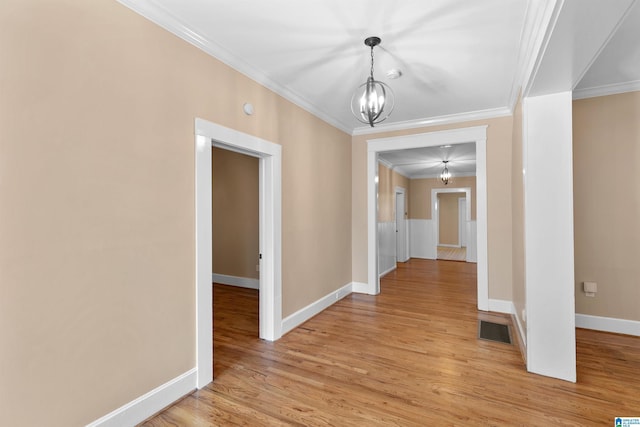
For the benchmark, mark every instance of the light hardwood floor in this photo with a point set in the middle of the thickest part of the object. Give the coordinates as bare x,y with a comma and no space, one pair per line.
408,357
452,254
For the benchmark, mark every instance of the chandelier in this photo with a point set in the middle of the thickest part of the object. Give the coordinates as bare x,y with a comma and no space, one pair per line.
445,176
373,101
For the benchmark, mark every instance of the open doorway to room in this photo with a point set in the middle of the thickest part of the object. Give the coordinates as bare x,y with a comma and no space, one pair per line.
236,244
269,156
455,223
420,158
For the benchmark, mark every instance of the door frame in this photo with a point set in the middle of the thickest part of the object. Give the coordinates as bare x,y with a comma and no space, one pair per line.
405,247
462,222
477,134
208,134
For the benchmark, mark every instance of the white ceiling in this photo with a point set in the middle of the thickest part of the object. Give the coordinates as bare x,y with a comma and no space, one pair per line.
460,59
427,162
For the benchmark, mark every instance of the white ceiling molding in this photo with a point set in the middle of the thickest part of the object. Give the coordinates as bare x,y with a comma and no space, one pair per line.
160,16
440,120
538,17
612,89
385,163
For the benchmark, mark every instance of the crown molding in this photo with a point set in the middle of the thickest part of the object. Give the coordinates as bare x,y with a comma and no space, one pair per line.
537,18
604,90
160,16
438,120
385,163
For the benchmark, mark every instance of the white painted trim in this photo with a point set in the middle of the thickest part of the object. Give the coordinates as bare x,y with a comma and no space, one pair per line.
501,306
359,288
438,120
387,271
608,324
385,163
523,337
160,16
604,90
243,282
430,139
306,313
150,403
402,191
445,245
537,20
270,161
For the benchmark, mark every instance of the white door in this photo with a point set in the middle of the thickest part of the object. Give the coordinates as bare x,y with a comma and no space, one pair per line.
401,230
462,222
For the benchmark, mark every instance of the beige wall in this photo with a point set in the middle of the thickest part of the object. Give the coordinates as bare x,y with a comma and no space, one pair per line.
388,180
606,156
448,219
517,208
235,209
420,190
499,135
97,227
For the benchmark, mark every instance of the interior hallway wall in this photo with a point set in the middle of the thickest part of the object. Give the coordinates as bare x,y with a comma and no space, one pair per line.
97,252
606,186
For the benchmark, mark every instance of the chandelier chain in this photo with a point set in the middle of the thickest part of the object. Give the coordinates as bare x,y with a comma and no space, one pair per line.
371,62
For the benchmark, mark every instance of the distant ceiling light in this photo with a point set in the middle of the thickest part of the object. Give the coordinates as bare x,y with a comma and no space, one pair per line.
445,146
445,176
373,101
394,73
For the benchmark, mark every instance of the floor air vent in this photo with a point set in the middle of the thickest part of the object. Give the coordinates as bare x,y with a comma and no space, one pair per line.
494,332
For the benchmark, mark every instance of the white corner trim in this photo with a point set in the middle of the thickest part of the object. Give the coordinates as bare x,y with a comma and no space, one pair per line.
501,306
611,89
438,120
150,403
243,282
306,313
359,288
608,324
162,17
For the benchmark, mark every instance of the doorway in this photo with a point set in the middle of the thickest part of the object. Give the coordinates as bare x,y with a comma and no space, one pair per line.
207,135
469,228
477,134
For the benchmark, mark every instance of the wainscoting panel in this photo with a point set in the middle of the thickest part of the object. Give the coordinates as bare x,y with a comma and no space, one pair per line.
386,247
422,238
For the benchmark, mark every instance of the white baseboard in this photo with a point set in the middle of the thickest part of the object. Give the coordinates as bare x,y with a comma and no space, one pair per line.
446,245
306,313
389,270
152,402
360,288
501,306
523,337
243,282
608,324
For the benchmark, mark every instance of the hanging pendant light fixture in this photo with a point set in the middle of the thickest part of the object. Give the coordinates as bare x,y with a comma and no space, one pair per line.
445,176
373,101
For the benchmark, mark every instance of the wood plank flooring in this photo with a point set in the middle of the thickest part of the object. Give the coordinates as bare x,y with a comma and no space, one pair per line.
452,254
407,357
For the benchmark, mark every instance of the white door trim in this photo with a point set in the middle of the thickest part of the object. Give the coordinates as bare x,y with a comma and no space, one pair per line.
401,230
477,134
270,160
462,222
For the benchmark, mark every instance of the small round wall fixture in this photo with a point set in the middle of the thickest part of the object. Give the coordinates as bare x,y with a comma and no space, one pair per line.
248,108
373,101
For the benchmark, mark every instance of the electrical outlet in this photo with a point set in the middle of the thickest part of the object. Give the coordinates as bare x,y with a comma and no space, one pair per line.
257,267
524,315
